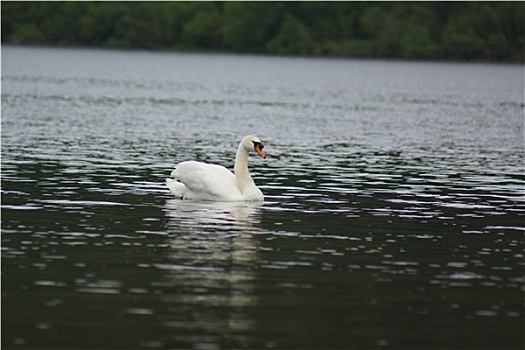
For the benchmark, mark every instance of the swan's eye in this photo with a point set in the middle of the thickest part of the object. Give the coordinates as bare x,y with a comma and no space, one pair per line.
257,145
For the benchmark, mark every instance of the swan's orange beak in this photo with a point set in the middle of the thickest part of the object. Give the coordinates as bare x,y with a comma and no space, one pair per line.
258,148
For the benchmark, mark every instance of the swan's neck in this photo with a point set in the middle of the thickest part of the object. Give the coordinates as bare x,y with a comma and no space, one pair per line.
244,180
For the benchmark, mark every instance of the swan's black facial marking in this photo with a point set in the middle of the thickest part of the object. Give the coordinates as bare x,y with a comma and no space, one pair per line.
257,145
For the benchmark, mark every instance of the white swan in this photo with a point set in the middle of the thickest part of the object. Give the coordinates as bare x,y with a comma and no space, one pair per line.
200,181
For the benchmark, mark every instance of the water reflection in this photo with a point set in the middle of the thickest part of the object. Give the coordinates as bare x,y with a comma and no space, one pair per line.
211,268
384,203
223,216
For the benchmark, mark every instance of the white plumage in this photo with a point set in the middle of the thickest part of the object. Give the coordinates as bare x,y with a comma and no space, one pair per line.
200,181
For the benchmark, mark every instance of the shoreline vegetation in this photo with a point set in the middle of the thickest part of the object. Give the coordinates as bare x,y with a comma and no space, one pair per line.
470,31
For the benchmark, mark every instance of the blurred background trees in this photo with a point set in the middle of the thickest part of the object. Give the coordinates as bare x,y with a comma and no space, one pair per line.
419,30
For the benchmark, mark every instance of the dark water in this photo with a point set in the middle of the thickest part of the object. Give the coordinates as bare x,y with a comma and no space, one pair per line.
394,212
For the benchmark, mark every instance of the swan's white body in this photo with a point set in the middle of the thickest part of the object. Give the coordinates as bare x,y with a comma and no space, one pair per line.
200,181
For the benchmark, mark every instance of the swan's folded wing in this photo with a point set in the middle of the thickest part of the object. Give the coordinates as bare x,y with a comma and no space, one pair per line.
207,181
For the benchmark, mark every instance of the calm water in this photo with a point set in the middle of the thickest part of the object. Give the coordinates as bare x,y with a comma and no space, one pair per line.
394,212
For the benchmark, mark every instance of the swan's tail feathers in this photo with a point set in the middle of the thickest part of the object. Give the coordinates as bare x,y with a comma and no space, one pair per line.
177,188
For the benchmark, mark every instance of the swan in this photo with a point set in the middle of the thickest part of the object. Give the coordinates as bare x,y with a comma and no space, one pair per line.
200,181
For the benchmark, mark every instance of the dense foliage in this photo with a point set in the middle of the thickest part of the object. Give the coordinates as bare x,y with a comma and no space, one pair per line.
452,30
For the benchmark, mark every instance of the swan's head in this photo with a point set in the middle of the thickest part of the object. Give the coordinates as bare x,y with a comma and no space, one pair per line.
251,143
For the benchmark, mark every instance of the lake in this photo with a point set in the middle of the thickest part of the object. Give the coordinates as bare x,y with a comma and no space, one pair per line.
393,215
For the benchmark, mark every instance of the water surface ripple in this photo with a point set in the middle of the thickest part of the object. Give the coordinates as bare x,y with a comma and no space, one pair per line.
393,215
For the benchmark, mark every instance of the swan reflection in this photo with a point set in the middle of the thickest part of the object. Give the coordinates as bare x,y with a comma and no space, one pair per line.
210,270
222,216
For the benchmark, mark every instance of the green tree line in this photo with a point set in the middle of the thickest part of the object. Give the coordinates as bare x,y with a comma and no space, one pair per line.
422,30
